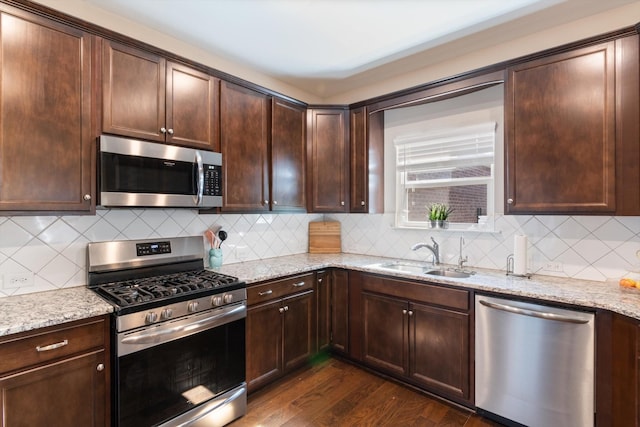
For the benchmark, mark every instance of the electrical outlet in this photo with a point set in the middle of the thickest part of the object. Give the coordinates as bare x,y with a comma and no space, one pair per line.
553,266
18,280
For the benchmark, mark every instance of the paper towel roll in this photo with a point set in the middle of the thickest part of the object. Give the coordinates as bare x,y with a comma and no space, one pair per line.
520,255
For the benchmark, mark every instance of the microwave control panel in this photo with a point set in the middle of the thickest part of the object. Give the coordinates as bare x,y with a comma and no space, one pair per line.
212,180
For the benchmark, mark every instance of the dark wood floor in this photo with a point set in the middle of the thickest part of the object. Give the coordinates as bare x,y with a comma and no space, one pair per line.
335,393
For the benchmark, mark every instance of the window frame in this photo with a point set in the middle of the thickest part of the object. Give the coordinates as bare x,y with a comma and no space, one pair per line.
441,137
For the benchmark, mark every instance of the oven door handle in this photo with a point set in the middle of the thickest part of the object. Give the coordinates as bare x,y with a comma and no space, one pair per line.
162,335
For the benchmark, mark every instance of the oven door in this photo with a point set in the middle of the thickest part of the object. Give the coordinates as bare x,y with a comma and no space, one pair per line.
166,371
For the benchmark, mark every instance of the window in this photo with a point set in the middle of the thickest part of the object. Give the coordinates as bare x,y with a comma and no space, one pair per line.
450,166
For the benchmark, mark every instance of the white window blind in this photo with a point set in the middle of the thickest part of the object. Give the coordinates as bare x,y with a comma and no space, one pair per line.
437,160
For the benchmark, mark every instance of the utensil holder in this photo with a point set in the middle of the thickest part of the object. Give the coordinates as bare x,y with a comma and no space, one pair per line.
215,258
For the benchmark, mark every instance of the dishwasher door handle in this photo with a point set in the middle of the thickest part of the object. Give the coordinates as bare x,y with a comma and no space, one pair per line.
533,313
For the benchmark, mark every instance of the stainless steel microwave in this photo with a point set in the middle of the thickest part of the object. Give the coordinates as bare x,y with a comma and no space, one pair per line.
137,173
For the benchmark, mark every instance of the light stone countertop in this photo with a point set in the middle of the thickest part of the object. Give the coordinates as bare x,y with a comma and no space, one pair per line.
21,313
30,311
590,294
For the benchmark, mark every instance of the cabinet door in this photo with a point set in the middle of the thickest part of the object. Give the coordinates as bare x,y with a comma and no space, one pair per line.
45,110
299,329
359,160
264,344
244,137
439,350
133,92
385,333
323,304
70,392
560,130
288,143
328,160
340,311
191,106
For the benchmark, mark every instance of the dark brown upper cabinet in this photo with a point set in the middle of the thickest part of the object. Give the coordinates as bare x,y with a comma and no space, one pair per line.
288,151
328,160
46,160
359,159
244,138
366,144
567,120
145,96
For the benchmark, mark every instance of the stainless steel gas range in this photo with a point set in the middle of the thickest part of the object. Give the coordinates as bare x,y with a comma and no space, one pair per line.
178,337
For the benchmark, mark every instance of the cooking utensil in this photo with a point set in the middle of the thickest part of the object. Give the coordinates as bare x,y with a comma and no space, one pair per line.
210,237
222,235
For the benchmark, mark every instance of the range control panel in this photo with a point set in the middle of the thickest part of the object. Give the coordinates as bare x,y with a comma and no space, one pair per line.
153,248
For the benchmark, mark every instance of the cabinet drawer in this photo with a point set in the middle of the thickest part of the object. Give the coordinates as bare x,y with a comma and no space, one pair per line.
279,288
431,294
44,346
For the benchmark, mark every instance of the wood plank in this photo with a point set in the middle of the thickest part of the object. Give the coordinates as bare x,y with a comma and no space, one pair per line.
336,393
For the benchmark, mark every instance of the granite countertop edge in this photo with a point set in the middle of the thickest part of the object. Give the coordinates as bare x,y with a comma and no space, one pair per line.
22,313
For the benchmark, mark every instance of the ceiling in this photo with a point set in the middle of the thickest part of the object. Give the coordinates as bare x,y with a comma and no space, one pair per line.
326,46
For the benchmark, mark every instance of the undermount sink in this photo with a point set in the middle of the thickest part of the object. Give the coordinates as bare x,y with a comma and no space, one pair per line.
420,269
449,273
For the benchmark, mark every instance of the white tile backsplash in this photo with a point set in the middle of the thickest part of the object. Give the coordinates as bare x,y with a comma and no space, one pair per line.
53,248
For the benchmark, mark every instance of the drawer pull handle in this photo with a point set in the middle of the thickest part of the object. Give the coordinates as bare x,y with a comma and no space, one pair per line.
298,285
269,292
52,346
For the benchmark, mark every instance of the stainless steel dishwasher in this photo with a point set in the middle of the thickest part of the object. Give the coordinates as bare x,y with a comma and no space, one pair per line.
534,363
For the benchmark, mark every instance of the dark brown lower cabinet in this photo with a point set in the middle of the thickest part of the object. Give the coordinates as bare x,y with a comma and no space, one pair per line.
323,301
617,370
58,376
340,311
416,332
281,328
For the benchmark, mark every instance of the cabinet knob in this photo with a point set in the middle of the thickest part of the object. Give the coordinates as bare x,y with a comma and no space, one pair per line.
281,310
410,313
404,311
87,197
266,202
170,131
163,130
286,308
362,203
100,367
320,280
275,202
342,203
510,201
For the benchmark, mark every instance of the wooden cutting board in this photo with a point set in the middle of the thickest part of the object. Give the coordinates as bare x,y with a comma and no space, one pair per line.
324,237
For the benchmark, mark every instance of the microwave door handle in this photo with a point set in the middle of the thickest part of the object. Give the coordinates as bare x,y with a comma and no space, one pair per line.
199,178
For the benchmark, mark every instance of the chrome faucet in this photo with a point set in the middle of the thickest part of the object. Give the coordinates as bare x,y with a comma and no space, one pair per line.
461,260
435,249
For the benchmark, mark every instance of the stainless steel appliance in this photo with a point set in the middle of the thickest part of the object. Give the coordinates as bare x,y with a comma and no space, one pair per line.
534,363
148,174
178,333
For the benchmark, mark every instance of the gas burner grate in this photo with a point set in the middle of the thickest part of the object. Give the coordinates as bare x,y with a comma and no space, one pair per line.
139,291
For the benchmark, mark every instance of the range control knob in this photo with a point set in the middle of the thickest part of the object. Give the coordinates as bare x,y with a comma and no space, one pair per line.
151,317
166,314
216,301
192,306
228,298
